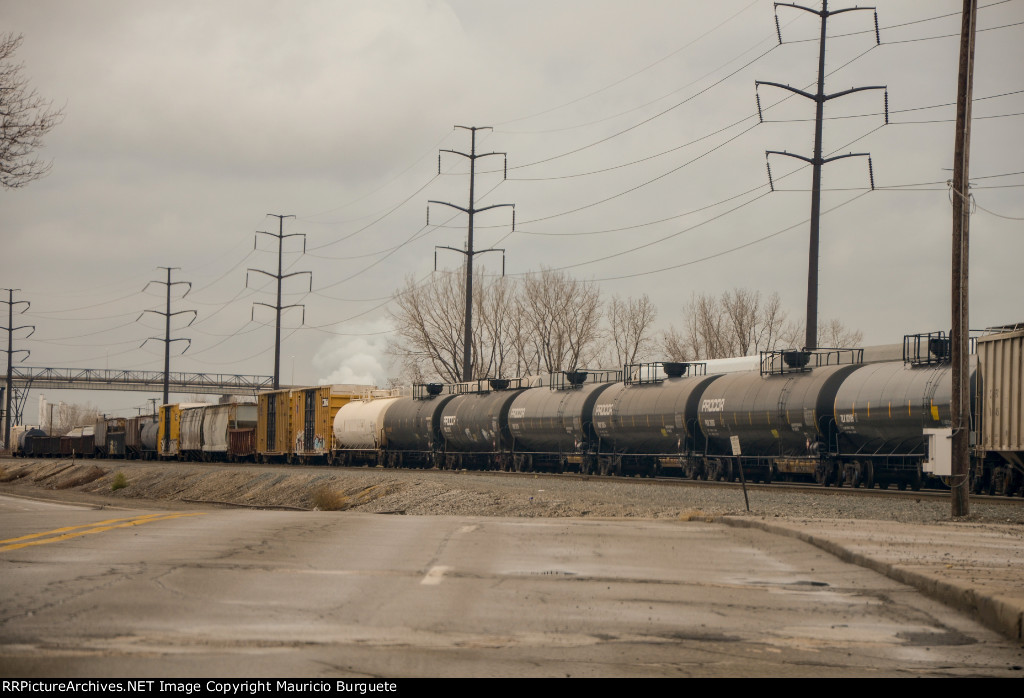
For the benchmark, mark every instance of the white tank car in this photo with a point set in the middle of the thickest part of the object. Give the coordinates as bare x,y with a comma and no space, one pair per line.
359,425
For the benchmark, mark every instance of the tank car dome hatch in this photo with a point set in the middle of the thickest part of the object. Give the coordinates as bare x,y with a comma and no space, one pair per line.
434,388
575,377
498,383
675,369
939,347
796,359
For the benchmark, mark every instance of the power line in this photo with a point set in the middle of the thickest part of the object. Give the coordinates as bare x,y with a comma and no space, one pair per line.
634,74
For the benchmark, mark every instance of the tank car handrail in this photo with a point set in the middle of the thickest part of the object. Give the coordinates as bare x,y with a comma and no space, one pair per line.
648,372
776,362
485,385
576,378
427,391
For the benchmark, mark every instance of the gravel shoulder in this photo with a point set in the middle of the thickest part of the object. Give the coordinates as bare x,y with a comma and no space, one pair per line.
461,493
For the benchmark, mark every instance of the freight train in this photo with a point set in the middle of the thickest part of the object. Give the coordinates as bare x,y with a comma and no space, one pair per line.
833,416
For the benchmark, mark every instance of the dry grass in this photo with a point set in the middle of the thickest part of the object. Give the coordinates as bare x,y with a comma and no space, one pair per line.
326,498
120,482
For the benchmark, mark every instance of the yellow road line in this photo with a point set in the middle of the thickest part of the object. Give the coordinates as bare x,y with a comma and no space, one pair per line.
72,528
97,529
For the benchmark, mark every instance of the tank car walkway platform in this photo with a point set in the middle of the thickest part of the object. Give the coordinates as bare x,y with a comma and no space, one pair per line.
975,568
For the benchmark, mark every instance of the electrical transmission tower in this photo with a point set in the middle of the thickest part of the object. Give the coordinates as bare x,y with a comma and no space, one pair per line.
11,351
469,252
280,277
167,338
819,98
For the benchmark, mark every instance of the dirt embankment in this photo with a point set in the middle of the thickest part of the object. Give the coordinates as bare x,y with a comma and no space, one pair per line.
460,493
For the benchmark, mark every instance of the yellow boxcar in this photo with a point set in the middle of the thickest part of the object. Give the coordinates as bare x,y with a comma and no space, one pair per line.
168,436
312,418
273,426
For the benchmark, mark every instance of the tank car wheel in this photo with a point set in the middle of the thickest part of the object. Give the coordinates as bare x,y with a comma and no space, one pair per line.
901,485
823,474
976,484
993,482
869,476
856,475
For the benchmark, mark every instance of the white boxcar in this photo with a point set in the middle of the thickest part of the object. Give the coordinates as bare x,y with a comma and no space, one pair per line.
218,421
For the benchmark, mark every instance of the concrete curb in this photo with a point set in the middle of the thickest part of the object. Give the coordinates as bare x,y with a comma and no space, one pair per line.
1005,616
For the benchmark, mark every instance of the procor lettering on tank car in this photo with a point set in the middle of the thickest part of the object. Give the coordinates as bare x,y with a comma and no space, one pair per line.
553,430
412,428
475,427
648,423
776,422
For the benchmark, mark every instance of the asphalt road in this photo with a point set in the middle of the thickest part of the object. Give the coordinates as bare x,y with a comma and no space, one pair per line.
214,592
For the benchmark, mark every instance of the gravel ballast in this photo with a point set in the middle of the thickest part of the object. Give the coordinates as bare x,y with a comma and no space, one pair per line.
462,493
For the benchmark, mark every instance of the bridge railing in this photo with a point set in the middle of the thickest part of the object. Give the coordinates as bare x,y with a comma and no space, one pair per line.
120,379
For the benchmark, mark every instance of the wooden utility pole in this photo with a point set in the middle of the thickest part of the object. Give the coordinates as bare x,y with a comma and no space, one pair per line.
960,330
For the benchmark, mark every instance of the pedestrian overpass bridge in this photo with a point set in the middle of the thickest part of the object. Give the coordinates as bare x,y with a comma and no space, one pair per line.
24,378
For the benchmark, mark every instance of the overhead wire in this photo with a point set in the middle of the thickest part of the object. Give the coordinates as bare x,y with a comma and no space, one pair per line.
631,75
732,249
884,28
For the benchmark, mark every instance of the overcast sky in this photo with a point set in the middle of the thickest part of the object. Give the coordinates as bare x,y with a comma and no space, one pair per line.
635,159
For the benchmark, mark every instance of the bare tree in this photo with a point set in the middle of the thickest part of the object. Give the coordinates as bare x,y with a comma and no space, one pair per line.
629,324
774,330
429,328
547,321
740,323
495,340
26,118
71,415
832,333
527,352
741,319
674,346
705,328
563,316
